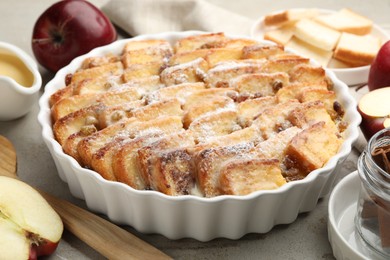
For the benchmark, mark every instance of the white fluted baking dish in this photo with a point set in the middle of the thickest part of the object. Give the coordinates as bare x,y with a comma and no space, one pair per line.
191,216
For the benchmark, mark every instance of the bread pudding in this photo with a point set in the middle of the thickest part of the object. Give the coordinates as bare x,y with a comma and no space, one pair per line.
207,115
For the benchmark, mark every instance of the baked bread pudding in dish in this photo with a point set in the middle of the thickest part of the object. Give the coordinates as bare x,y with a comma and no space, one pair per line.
208,115
195,134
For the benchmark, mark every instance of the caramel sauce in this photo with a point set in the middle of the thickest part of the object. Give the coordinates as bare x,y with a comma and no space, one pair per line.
11,66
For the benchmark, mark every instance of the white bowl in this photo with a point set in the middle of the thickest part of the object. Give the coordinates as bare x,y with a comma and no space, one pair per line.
191,216
350,76
342,209
16,100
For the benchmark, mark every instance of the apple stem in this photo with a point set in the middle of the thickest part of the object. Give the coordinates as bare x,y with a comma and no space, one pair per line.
44,40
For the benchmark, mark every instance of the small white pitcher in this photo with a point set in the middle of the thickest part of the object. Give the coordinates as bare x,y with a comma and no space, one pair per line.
16,100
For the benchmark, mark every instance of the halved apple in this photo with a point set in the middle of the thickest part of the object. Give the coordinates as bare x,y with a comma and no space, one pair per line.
374,107
29,226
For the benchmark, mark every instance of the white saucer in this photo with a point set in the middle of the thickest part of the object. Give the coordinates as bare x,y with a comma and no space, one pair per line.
345,242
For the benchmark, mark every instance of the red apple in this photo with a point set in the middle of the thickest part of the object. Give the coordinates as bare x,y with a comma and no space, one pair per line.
29,226
379,75
374,108
68,29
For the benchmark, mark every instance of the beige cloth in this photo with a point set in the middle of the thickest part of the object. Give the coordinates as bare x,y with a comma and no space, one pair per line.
154,16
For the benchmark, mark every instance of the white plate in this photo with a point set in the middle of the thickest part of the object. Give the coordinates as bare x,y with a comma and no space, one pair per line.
192,216
351,76
345,241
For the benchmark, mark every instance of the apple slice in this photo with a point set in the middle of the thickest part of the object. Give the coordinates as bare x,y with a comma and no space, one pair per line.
29,226
374,107
11,238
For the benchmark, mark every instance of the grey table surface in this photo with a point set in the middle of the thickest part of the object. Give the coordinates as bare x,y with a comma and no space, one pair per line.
305,238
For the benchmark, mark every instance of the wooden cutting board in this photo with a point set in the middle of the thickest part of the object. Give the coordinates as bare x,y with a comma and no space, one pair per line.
7,158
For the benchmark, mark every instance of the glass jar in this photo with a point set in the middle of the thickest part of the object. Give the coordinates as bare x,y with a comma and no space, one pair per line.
373,210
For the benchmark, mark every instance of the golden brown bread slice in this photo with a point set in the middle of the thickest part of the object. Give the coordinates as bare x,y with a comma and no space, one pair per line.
106,70
221,51
245,135
76,121
73,103
113,114
259,84
147,156
187,56
170,107
143,85
215,56
198,96
128,128
238,43
147,56
283,65
311,149
102,159
65,92
146,52
308,75
327,97
180,91
70,145
310,113
203,41
145,70
209,104
295,90
172,172
96,85
95,61
209,162
259,51
193,71
275,119
221,75
243,176
125,162
217,123
275,146
250,108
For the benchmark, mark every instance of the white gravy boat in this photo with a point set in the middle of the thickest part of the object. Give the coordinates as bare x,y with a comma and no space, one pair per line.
16,100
